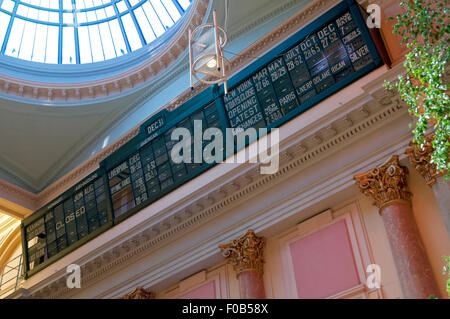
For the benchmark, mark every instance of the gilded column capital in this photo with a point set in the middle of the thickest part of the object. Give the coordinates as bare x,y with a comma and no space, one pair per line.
385,183
139,293
420,158
245,252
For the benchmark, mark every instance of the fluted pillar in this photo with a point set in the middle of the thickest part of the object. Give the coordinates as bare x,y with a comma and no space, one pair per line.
420,159
246,255
388,187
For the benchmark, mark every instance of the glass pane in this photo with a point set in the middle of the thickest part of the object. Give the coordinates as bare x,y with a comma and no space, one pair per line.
100,14
33,13
97,3
43,15
68,18
96,44
67,4
91,16
68,53
119,43
22,10
12,49
81,17
26,49
52,45
153,18
53,4
144,24
53,17
85,45
88,4
121,6
45,4
40,43
4,22
110,11
131,32
162,13
107,41
184,3
8,5
172,9
79,4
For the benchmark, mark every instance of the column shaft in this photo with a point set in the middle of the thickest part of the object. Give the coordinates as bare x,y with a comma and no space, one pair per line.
388,187
413,267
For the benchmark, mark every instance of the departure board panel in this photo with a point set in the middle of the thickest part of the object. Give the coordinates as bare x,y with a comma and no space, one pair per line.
328,55
320,59
74,215
150,172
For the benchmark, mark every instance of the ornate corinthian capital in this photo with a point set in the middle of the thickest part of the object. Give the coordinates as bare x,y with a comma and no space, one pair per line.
385,183
139,293
245,252
421,160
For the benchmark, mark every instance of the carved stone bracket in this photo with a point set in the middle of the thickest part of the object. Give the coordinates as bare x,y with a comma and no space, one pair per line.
385,183
245,252
421,160
139,293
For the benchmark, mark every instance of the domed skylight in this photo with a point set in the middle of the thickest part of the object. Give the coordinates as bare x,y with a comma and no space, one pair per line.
83,31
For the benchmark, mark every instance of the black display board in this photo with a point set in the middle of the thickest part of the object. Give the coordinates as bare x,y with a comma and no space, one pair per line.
146,171
77,214
331,53
319,60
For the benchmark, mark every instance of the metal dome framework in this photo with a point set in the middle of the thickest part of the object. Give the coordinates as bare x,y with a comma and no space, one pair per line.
83,31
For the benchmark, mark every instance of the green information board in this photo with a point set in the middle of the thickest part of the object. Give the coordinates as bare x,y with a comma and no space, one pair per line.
317,61
79,214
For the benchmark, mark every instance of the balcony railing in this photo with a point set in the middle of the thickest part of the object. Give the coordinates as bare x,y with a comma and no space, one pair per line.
11,276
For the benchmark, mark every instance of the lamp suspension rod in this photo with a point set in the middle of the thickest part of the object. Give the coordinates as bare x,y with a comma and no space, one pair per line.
190,59
216,37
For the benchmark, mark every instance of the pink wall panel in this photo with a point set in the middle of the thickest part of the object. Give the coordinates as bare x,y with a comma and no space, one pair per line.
323,262
207,291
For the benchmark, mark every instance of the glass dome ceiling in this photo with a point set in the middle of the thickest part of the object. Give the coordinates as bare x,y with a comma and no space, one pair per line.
83,31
